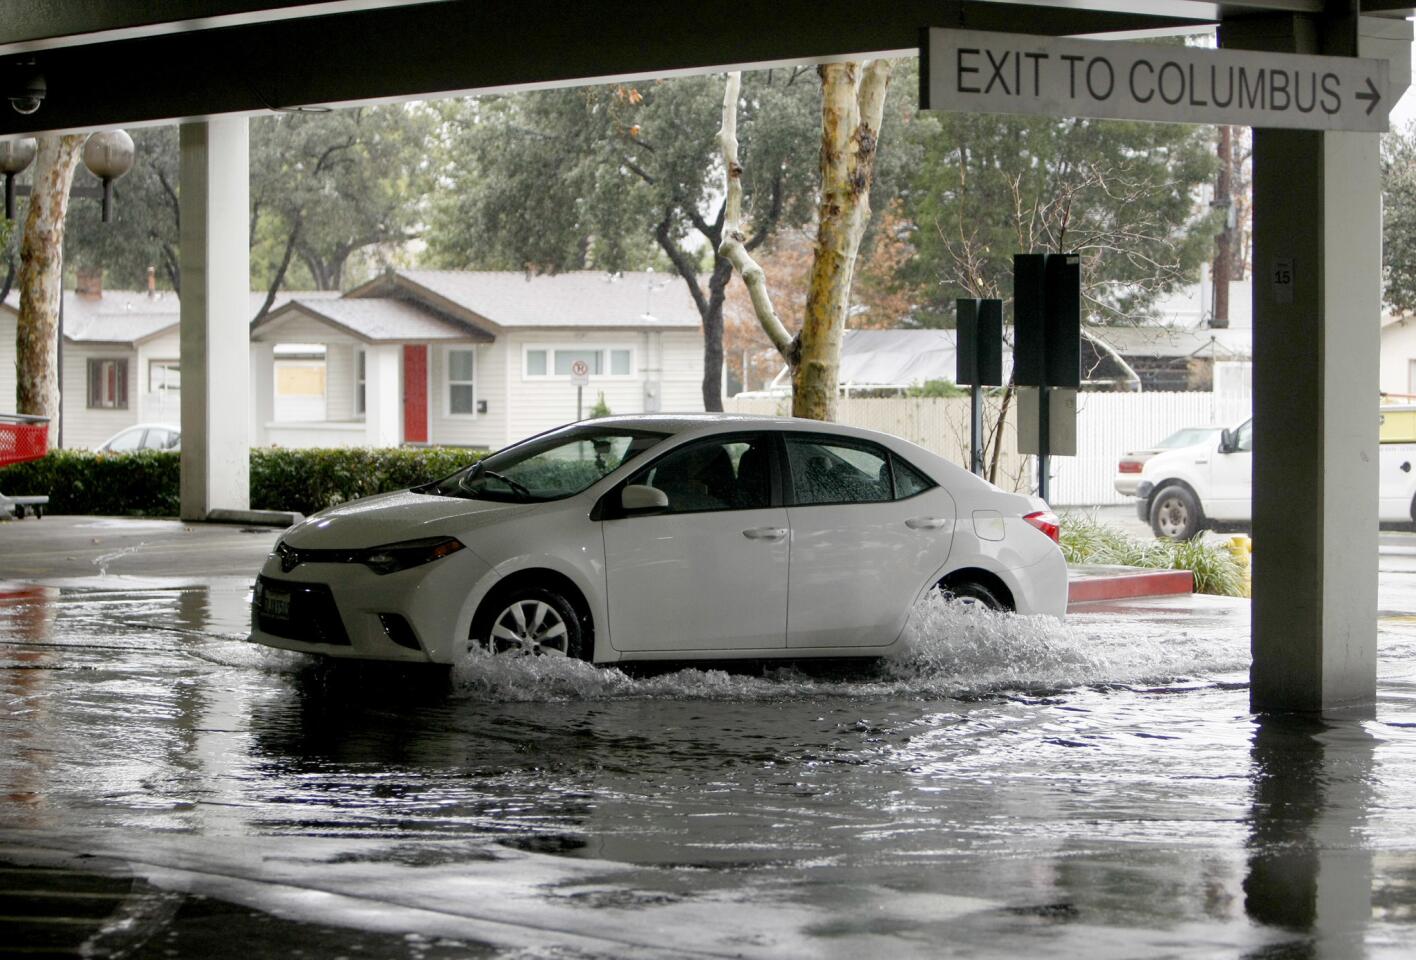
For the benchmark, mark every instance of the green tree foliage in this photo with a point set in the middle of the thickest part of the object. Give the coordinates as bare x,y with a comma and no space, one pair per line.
1399,218
623,177
325,188
1121,194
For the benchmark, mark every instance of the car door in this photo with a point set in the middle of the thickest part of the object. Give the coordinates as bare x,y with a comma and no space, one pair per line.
1232,477
709,573
868,531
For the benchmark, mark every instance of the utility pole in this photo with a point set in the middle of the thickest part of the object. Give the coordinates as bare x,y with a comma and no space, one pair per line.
1224,243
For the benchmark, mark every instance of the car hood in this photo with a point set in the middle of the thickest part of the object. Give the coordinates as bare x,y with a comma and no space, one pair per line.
1168,459
391,517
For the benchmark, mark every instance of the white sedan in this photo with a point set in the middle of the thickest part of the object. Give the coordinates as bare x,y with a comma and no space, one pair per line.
688,537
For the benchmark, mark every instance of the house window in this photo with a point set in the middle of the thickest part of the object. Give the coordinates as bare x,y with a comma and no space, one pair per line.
461,393
165,378
557,361
360,359
108,383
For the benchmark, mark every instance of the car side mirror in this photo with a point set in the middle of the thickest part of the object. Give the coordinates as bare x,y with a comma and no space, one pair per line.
1226,441
640,499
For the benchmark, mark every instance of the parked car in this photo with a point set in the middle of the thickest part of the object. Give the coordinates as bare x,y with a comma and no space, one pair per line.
1184,490
144,436
1128,469
689,537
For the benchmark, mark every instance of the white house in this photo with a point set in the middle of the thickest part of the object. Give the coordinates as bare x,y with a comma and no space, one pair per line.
414,356
120,358
482,358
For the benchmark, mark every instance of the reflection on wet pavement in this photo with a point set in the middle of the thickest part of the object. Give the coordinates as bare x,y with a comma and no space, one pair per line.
1012,786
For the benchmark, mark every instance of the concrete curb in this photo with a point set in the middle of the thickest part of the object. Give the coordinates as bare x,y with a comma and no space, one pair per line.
1096,583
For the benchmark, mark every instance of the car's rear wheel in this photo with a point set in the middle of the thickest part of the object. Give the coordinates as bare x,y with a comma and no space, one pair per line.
972,593
1175,514
531,622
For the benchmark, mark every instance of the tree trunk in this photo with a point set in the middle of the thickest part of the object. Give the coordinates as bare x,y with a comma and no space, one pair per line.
1223,243
713,335
852,103
41,280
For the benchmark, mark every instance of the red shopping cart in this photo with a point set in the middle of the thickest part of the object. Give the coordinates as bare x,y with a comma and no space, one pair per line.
22,438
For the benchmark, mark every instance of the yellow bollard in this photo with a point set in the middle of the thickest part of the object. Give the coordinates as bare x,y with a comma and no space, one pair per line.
1240,547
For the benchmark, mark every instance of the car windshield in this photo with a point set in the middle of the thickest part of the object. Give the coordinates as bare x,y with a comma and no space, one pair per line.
547,467
1187,437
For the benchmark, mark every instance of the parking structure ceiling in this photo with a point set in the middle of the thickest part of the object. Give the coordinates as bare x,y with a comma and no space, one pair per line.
128,62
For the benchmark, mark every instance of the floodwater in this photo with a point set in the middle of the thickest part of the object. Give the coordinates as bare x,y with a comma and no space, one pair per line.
1097,788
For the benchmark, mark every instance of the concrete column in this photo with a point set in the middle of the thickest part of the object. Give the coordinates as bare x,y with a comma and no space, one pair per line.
383,407
262,390
216,315
1317,321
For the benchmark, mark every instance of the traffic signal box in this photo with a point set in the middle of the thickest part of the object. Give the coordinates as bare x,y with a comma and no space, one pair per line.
1047,336
979,349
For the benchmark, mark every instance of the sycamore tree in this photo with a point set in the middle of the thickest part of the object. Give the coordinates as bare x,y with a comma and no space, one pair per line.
628,176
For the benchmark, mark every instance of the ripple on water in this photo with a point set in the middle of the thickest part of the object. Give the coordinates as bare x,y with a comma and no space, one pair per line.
949,650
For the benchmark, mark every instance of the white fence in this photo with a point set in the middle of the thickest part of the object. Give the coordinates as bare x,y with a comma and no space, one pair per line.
1108,425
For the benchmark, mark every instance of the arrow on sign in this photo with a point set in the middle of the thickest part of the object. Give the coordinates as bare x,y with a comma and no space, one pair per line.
1372,96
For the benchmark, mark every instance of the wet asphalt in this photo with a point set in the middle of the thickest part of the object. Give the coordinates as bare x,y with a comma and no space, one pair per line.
1097,789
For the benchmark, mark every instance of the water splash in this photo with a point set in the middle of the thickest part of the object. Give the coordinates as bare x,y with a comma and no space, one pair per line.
104,560
949,650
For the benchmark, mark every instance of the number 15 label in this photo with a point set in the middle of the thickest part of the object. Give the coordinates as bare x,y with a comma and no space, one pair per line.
1282,280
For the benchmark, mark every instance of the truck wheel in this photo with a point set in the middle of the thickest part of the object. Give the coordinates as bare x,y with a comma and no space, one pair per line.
1175,514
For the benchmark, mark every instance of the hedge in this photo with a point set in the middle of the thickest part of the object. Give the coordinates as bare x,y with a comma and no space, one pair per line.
306,480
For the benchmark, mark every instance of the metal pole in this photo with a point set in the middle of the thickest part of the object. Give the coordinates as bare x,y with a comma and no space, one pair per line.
1044,429
579,396
976,430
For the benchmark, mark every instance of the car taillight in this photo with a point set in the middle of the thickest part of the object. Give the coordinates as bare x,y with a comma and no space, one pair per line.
1129,466
1047,522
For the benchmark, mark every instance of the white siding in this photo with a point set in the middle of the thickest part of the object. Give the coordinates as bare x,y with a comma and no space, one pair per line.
340,379
155,407
671,359
7,362
303,329
1398,350
84,427
489,386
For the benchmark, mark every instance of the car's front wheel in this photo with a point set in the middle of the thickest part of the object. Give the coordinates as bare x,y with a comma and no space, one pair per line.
972,593
1175,514
529,622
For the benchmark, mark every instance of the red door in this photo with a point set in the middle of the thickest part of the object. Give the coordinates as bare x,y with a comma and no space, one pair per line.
415,393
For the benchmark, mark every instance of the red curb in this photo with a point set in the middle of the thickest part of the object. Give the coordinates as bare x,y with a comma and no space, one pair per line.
1127,583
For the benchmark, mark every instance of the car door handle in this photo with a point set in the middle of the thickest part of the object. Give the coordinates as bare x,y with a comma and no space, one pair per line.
1201,462
925,523
765,533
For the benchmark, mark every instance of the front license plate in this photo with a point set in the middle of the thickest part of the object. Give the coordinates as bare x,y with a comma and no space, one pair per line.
275,603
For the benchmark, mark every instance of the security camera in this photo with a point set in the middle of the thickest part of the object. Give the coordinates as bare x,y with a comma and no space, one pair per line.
26,92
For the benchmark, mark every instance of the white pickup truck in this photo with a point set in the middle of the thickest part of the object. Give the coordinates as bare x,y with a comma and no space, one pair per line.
1184,490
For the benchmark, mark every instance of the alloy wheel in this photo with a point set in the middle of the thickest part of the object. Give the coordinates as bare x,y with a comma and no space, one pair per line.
530,628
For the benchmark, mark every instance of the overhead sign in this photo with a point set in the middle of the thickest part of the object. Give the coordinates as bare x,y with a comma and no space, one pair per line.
978,72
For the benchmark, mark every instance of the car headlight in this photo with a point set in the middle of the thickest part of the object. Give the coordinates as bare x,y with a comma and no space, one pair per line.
389,558
392,557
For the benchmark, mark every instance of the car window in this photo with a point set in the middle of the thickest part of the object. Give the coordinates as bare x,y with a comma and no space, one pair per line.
1186,438
127,441
908,480
160,439
837,471
1244,436
721,473
548,467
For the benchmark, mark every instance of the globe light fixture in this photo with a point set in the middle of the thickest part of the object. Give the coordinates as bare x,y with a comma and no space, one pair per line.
108,156
15,158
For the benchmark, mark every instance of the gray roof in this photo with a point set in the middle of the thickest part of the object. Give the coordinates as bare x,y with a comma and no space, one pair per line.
1231,343
379,319
583,298
130,316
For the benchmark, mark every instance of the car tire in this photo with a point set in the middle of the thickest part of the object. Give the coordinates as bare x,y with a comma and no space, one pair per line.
972,593
530,621
1175,514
